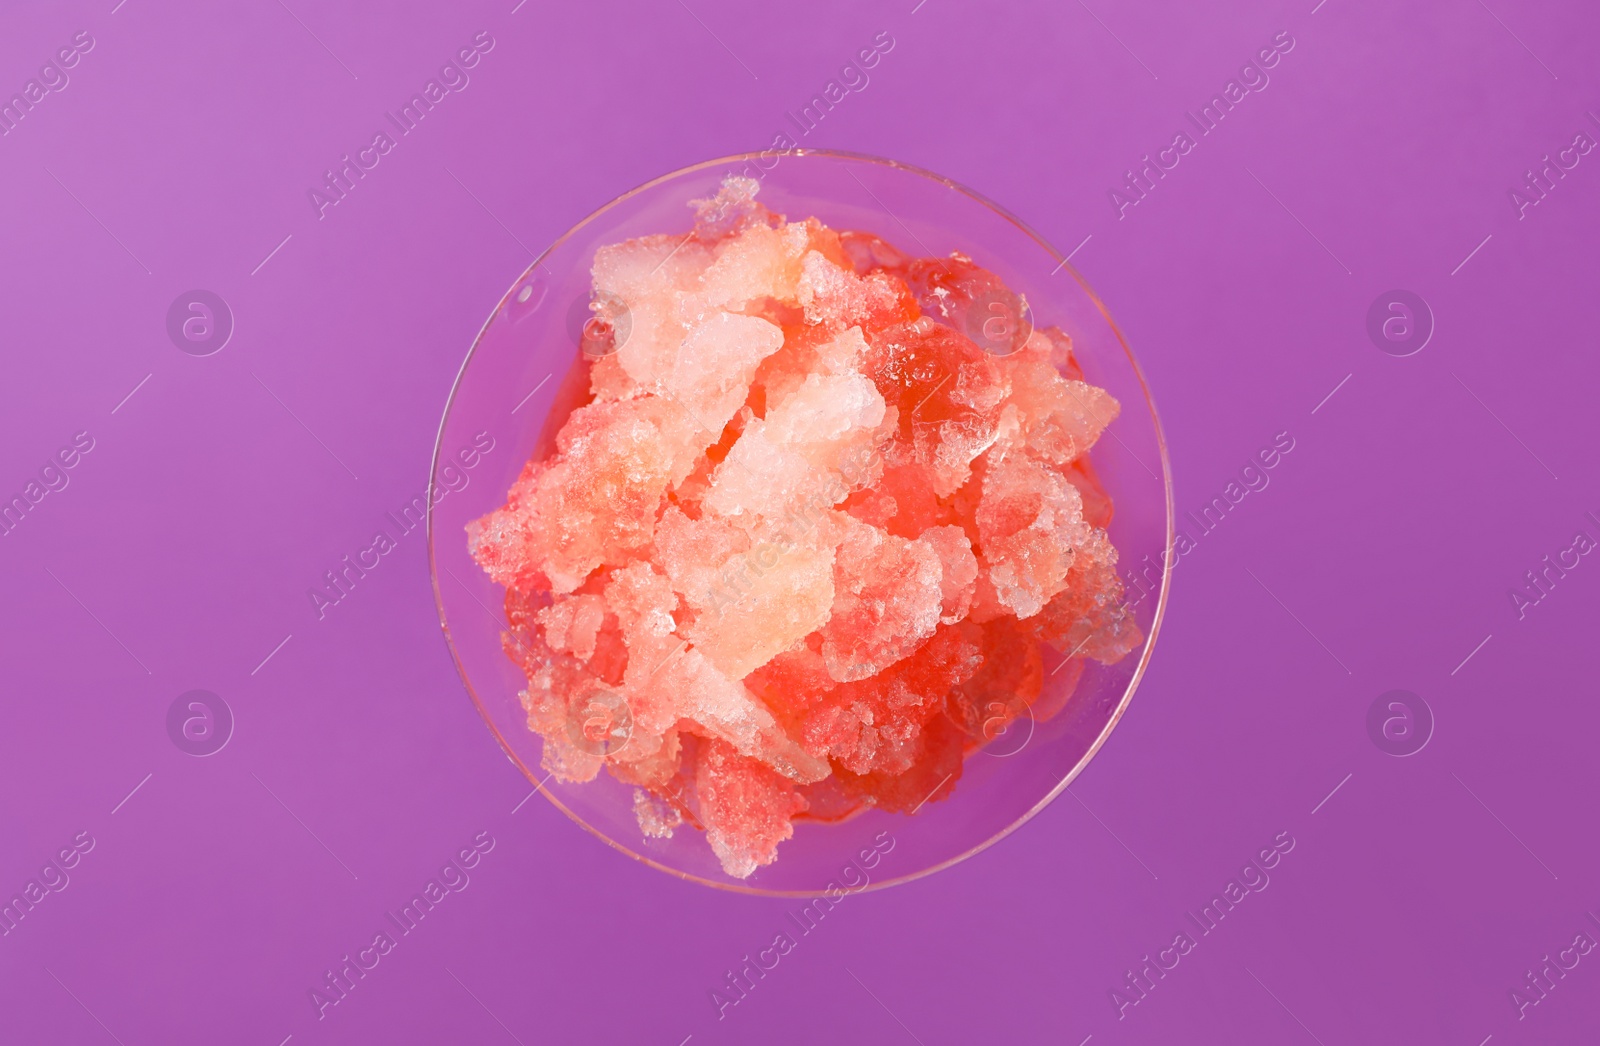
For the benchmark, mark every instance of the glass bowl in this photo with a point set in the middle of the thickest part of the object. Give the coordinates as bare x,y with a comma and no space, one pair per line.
513,380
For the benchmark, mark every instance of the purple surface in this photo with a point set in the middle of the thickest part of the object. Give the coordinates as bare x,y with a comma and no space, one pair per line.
1421,489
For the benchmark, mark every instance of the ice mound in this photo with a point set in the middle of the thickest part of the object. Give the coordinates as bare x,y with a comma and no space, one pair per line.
799,552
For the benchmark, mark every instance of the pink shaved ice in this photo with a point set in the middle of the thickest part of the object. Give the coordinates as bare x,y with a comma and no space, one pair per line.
804,536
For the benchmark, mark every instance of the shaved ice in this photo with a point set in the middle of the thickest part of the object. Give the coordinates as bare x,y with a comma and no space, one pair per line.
801,549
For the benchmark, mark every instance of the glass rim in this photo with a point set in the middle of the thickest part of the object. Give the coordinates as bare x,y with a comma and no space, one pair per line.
1166,558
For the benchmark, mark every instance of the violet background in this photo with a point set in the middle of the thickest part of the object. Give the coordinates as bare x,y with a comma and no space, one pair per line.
188,538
